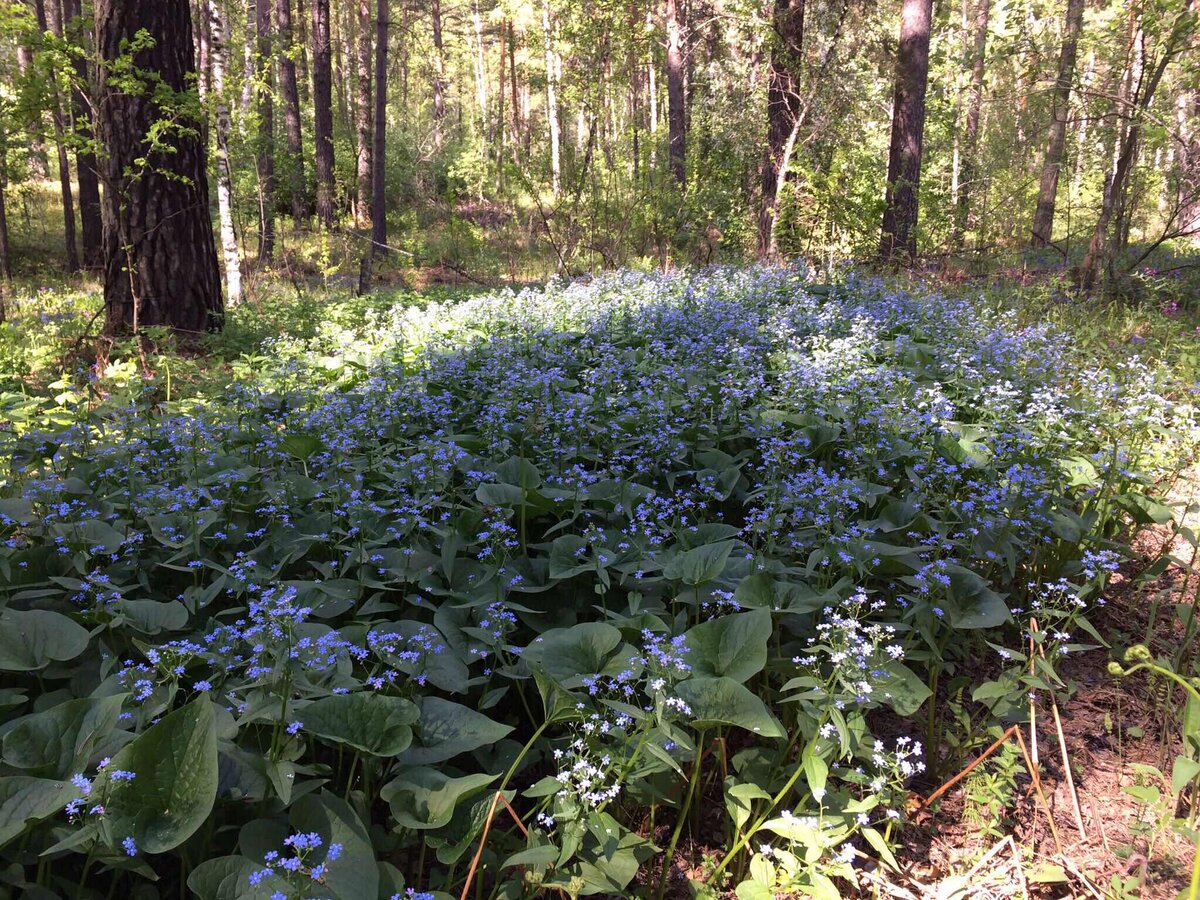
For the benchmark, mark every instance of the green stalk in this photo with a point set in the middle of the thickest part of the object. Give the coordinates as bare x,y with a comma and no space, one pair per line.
680,821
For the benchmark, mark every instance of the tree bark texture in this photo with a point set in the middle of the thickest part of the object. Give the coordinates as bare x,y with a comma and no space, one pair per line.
783,109
160,260
1043,217
322,69
898,242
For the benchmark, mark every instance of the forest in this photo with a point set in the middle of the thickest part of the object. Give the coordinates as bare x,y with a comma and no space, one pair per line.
651,449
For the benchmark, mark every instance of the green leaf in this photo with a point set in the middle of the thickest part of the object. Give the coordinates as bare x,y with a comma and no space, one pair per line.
355,875
875,839
301,446
904,691
374,723
446,729
723,701
153,616
731,646
175,783
974,604
540,857
58,743
565,654
32,640
763,590
228,878
752,890
24,799
1182,772
700,565
504,495
521,472
425,798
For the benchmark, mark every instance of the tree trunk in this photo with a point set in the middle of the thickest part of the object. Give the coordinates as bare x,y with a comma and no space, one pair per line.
60,127
552,101
783,109
439,74
302,52
291,110
218,59
1043,217
480,64
323,111
160,261
676,112
362,116
5,251
1099,256
379,156
970,160
265,157
898,242
86,165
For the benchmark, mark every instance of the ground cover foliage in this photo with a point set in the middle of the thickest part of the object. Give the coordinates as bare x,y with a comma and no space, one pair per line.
655,556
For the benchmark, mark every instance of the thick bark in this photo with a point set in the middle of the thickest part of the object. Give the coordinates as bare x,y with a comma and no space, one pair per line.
219,60
5,251
552,101
302,52
160,261
1043,217
291,110
362,115
323,111
439,73
676,111
379,146
265,156
970,163
783,109
898,242
60,128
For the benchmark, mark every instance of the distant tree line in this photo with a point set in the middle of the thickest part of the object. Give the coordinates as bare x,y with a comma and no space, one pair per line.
598,133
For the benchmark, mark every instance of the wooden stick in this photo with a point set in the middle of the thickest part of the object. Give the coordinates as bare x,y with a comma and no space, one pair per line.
1033,737
967,771
497,798
1037,786
1062,741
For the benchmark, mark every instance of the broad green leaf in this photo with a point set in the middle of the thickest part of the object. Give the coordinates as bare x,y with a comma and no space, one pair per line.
228,878
24,799
701,565
521,472
1182,773
446,729
374,723
723,701
425,798
903,691
501,495
764,591
355,874
567,653
32,640
153,616
301,446
58,743
731,646
175,783
973,603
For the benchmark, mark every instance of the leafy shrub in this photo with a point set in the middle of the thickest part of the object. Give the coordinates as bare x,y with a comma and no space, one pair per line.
607,548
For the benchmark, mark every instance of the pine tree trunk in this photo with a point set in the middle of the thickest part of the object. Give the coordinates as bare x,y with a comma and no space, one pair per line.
160,261
552,101
323,112
60,129
86,165
1043,217
5,250
265,157
302,52
379,148
219,60
970,160
362,116
898,242
291,110
783,109
676,112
